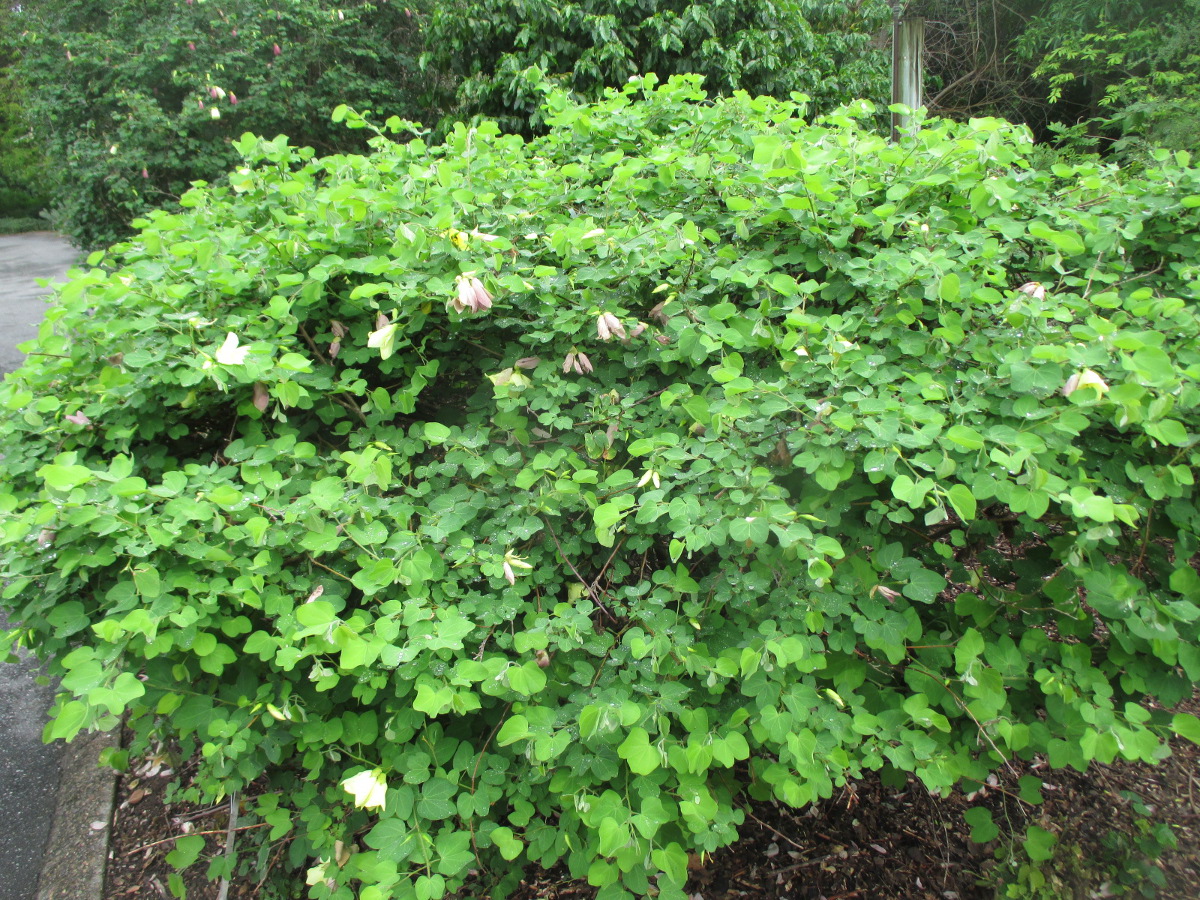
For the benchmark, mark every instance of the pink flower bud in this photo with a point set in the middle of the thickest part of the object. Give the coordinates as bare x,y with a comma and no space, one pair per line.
637,330
275,49
234,32
69,56
465,298
614,325
381,321
334,349
482,299
261,398
145,173
78,419
191,45
232,98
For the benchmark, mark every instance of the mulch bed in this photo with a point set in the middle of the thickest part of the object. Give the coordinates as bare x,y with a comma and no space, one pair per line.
868,841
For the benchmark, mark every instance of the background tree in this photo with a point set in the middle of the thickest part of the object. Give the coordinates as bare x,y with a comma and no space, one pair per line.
22,172
832,51
133,102
1115,76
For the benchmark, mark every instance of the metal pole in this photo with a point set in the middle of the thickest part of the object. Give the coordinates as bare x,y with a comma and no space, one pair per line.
908,51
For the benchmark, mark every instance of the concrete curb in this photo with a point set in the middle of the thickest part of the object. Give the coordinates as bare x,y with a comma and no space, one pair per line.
77,853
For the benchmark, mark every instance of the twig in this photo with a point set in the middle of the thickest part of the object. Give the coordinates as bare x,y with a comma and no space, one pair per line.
327,569
176,837
230,833
587,586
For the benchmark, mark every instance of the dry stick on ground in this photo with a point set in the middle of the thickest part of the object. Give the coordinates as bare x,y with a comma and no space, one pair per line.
176,837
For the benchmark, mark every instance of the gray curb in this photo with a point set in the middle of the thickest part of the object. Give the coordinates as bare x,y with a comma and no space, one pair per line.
77,852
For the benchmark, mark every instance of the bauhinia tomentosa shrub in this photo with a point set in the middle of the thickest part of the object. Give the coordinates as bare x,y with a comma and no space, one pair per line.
497,502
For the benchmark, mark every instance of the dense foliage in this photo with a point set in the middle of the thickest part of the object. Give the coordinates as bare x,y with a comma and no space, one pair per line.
831,51
533,501
134,101
22,173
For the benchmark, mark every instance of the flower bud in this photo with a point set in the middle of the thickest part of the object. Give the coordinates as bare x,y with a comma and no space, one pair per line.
233,99
145,173
1086,378
568,363
465,297
528,362
214,113
1034,289
509,575
275,49
637,330
261,398
583,365
482,299
191,45
602,329
615,326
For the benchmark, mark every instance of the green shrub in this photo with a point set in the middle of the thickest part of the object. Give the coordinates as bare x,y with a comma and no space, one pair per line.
23,225
579,489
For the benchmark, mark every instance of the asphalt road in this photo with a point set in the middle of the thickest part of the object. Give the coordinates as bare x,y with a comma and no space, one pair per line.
28,768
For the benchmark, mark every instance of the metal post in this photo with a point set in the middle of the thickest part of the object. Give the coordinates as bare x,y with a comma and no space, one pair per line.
908,51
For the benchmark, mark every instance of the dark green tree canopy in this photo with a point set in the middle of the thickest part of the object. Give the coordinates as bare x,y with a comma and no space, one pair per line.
832,51
135,101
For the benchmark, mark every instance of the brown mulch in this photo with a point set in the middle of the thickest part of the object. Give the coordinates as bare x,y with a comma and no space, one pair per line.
868,841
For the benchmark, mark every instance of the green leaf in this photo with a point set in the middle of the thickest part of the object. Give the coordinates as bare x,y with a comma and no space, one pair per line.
514,729
967,438
963,501
65,477
1039,843
636,750
1186,726
924,586
950,288
187,851
983,828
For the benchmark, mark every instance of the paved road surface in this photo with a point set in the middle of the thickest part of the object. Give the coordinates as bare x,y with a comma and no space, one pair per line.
28,768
